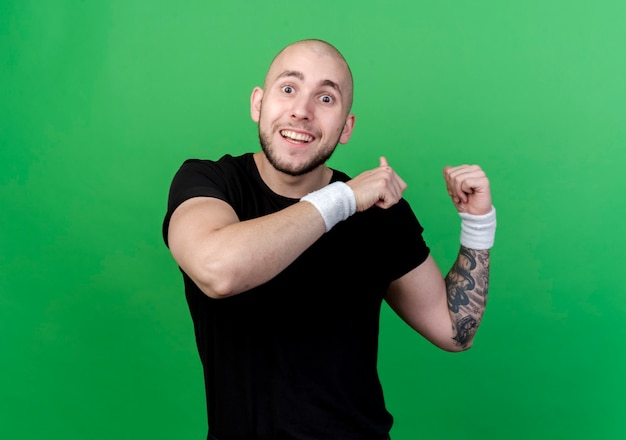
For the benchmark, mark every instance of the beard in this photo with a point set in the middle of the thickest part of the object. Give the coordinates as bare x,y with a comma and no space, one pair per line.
318,159
323,153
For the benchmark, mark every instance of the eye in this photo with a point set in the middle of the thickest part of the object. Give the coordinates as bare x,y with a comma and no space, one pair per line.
287,89
327,99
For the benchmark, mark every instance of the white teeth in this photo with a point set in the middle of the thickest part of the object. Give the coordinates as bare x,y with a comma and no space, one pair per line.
296,136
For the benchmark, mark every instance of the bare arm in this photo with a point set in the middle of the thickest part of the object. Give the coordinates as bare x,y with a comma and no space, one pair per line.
448,311
225,256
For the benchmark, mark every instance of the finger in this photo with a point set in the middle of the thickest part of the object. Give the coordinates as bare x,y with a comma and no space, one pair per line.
468,187
464,171
447,180
396,184
471,184
383,162
454,190
456,176
392,191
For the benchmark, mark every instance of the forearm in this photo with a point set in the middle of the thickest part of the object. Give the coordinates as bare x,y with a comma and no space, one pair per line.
252,252
467,285
225,256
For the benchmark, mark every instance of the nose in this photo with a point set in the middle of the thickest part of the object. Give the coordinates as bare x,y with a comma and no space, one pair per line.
302,108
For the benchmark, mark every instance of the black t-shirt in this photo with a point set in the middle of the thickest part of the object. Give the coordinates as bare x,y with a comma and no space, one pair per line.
295,358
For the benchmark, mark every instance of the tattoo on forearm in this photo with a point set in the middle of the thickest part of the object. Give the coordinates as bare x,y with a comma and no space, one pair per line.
467,285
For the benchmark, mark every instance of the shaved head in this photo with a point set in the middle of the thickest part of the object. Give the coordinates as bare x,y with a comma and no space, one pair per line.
320,48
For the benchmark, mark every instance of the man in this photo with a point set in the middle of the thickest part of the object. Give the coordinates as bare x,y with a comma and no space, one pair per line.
286,263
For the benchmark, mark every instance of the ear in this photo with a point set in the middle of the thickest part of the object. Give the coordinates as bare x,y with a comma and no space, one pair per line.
347,129
255,103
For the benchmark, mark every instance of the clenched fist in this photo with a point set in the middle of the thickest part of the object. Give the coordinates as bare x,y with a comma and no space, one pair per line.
469,189
380,187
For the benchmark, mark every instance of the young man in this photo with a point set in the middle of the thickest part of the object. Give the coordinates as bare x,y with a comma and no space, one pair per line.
286,262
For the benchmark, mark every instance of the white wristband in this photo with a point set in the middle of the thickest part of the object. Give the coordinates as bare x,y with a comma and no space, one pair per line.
335,202
478,231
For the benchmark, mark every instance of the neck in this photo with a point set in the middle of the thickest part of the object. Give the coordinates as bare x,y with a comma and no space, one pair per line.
294,187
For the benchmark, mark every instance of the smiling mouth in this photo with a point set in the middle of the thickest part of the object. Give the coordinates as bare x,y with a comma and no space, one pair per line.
299,138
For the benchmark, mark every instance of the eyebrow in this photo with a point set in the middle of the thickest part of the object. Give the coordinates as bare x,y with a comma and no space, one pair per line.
295,73
300,76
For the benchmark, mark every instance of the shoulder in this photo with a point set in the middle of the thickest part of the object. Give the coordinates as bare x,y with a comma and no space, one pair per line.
202,173
226,163
221,179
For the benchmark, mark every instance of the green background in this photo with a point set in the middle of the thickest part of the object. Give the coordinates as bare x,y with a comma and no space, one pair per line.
100,102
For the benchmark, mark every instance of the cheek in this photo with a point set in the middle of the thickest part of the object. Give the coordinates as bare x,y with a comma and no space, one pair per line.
264,117
338,127
268,113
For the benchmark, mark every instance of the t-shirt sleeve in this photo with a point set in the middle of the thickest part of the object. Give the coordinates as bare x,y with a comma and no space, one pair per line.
195,178
405,233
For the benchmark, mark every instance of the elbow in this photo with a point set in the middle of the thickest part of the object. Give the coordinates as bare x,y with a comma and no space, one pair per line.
454,345
463,335
216,272
214,290
457,347
216,281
